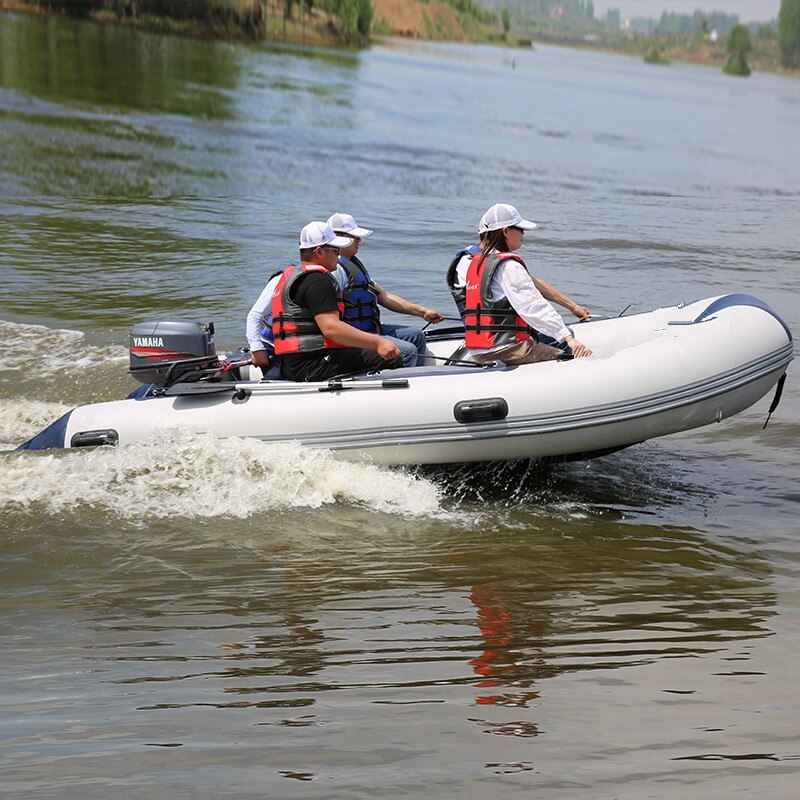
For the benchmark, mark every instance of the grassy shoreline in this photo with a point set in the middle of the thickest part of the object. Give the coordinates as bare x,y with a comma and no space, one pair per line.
308,22
226,20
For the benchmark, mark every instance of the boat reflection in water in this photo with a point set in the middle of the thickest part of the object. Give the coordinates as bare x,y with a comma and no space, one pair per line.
312,629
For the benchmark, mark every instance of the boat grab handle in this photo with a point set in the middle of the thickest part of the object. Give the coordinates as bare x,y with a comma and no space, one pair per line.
107,436
484,409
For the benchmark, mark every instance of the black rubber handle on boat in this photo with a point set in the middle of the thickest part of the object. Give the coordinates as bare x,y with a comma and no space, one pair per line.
395,383
483,409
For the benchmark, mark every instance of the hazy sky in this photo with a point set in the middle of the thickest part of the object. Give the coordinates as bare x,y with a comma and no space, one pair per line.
748,10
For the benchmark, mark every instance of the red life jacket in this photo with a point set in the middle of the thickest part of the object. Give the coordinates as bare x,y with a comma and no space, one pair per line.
489,322
293,327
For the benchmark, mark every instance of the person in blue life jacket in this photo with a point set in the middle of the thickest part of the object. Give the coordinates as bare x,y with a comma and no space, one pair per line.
308,330
363,298
506,314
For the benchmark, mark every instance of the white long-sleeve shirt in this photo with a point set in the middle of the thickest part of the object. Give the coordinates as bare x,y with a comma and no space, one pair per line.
512,281
262,308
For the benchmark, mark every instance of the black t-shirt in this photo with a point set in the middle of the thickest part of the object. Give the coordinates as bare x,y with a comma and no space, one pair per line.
316,292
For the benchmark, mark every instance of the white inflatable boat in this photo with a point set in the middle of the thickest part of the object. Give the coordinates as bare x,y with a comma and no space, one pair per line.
651,374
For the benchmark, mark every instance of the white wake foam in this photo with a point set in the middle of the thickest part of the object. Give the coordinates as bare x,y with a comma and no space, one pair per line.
199,476
26,347
22,419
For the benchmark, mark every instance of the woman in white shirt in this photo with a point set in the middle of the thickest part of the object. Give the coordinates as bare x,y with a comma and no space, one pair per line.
503,311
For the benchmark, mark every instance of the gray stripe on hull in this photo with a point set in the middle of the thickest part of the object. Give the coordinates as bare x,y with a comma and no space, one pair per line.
432,433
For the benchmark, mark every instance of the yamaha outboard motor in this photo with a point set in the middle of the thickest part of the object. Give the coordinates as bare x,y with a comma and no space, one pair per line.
172,351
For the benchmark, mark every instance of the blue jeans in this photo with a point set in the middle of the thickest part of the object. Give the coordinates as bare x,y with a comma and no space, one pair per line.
563,346
411,342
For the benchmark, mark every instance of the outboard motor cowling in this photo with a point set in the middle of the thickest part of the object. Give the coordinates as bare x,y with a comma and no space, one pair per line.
170,351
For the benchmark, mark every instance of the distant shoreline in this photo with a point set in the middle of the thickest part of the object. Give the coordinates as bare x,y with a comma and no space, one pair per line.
764,58
404,19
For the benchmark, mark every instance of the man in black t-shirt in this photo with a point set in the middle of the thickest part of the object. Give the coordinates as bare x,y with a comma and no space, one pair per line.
317,292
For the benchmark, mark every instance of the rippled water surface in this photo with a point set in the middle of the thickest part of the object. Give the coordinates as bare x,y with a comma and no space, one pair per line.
191,618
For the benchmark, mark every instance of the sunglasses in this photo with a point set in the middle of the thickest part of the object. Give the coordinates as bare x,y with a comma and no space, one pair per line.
348,235
329,247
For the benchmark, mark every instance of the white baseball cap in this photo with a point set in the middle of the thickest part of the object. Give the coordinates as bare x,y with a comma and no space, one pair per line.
344,223
502,215
318,233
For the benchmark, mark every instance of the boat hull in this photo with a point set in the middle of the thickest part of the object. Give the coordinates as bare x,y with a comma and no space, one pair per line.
652,374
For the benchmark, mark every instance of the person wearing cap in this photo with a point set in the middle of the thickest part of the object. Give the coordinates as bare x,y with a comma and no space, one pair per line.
363,297
456,273
505,313
309,334
258,328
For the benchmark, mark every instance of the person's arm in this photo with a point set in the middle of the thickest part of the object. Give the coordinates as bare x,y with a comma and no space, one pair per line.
402,306
340,332
527,301
318,295
549,292
255,317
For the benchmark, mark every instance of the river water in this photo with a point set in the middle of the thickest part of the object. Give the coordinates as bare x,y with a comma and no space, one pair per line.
196,619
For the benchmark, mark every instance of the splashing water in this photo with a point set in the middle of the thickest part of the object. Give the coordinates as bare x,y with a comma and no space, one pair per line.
200,476
22,419
50,348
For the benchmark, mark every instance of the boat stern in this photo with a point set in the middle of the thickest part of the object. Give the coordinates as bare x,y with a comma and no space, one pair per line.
53,437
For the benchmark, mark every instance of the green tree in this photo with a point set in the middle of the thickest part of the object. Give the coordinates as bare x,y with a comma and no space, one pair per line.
738,48
789,33
365,13
765,32
355,19
505,18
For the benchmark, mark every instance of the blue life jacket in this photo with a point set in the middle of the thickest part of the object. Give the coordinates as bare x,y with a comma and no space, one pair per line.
460,292
360,297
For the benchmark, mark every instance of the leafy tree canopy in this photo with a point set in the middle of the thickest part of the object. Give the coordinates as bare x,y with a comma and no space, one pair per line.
789,32
738,46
